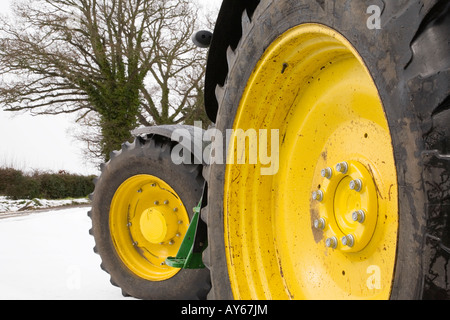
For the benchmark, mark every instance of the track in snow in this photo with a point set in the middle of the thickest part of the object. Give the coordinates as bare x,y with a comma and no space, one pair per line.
49,255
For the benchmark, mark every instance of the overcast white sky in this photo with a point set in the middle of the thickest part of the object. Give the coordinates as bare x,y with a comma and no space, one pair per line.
46,142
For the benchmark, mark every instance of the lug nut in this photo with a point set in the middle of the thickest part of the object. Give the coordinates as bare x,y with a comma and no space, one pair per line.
348,240
331,242
342,167
359,216
318,195
327,173
356,185
320,223
156,202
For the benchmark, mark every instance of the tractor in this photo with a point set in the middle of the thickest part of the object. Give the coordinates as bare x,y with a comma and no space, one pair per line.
349,100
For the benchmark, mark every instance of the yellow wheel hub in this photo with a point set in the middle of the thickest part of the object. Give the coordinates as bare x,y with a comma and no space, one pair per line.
325,225
347,206
158,224
147,222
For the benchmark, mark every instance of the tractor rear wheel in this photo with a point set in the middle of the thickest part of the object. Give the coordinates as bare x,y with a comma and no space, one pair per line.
363,172
142,205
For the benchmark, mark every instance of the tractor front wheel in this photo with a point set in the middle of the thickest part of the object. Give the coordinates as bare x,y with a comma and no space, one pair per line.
141,210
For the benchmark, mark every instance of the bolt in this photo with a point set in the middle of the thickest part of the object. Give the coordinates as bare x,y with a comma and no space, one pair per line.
163,263
135,243
356,185
166,201
139,191
178,234
180,221
156,202
342,167
327,173
359,216
175,209
320,223
318,195
153,184
348,240
171,242
331,242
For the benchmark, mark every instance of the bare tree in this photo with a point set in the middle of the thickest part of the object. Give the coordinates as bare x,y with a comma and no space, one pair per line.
120,62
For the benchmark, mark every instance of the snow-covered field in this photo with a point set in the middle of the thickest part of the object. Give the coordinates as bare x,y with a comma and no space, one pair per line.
8,205
49,255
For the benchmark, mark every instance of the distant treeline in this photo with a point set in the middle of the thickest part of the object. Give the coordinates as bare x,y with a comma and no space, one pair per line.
17,185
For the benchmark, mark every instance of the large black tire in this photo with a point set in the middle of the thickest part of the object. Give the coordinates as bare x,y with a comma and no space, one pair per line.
409,60
149,156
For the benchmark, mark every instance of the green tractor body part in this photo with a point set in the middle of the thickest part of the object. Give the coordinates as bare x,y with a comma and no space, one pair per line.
189,256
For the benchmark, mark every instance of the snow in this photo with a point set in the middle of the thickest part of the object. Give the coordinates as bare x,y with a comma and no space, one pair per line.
49,256
8,205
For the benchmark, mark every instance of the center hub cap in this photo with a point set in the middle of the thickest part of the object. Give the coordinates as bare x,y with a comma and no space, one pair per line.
347,207
157,226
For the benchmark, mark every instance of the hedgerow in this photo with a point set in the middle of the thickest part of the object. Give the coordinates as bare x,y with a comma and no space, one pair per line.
46,185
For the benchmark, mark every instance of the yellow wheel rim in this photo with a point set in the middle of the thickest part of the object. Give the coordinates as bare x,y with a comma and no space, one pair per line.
147,223
303,233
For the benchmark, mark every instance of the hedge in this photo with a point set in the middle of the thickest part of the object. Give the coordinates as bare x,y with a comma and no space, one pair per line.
17,185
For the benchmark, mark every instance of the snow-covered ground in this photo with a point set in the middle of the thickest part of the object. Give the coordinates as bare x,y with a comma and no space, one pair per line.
8,205
49,256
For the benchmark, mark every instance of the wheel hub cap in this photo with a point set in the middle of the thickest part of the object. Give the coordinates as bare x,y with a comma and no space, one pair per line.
340,202
158,225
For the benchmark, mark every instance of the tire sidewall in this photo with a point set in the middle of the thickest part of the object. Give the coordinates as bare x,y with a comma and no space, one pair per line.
385,52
